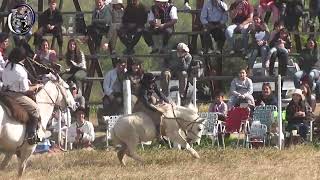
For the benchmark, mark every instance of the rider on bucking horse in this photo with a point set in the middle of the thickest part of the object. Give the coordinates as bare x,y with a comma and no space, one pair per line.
16,83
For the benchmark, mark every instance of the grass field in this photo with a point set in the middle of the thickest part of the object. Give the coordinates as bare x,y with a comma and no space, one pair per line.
300,162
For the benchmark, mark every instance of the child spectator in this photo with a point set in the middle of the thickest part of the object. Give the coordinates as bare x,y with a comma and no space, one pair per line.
219,107
297,113
260,31
281,46
117,10
241,90
81,132
76,61
267,97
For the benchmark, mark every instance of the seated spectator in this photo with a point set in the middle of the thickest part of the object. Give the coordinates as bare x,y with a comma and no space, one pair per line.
309,63
241,14
81,133
241,90
219,107
112,86
132,28
266,97
76,61
101,21
77,95
180,70
135,75
310,98
50,22
214,16
4,44
197,26
314,11
280,47
162,18
298,112
260,32
46,56
268,5
117,10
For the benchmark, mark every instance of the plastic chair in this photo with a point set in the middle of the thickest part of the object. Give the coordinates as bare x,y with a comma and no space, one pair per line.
213,127
258,134
238,122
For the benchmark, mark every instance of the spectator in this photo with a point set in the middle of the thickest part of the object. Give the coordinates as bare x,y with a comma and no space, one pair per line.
314,9
310,98
241,14
280,47
77,95
219,106
81,133
135,75
309,64
268,5
4,44
297,113
112,86
214,16
162,18
180,69
101,21
241,90
50,22
267,97
260,32
117,10
197,26
46,56
76,61
132,28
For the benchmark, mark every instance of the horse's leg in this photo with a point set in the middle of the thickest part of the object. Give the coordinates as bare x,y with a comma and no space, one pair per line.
176,137
6,160
131,151
26,151
121,153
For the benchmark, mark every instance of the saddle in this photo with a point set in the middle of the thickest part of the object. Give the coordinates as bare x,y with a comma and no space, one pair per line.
13,109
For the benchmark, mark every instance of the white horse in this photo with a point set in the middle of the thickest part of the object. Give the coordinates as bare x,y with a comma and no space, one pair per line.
181,125
12,132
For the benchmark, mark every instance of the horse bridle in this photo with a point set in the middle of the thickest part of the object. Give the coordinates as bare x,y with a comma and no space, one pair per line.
52,101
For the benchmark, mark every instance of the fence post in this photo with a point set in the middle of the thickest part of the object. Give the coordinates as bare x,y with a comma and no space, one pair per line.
194,93
279,111
127,97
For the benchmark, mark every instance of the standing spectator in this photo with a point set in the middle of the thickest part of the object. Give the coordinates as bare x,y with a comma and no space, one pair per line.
117,10
297,113
50,22
81,133
4,44
132,28
180,69
280,48
162,18
101,21
268,5
112,86
260,32
135,75
241,14
309,64
267,97
214,17
310,98
219,106
76,61
241,90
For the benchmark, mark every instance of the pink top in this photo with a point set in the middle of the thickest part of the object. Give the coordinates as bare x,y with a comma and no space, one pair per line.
266,2
46,58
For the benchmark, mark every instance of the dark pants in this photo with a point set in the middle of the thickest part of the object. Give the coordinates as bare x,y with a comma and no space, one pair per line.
283,57
95,34
217,34
292,20
129,36
56,32
301,127
166,33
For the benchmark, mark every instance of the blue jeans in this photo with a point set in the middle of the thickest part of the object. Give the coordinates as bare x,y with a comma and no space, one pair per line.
313,76
230,38
254,54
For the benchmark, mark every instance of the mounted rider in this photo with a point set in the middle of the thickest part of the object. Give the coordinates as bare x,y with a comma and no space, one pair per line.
16,83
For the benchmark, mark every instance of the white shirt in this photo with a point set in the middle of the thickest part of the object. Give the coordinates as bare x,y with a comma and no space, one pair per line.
173,14
16,79
86,128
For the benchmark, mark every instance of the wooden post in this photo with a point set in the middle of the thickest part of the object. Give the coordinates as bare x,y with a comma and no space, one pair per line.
127,97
